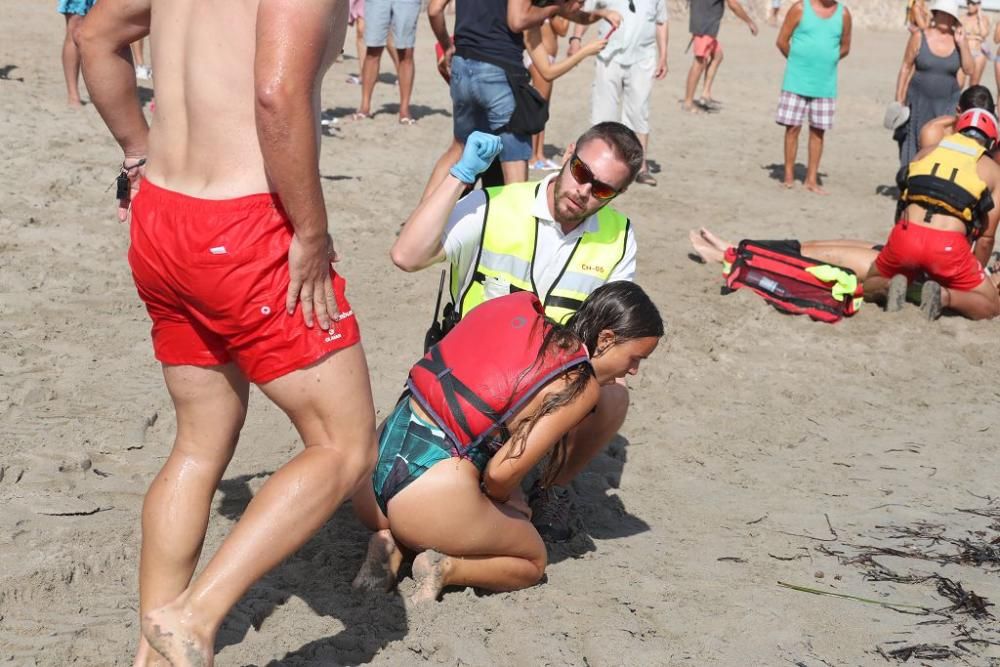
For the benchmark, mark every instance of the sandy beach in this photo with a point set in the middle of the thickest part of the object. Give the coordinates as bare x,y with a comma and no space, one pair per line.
760,448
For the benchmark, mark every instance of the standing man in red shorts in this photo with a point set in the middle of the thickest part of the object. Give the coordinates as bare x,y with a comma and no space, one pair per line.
706,16
948,196
232,255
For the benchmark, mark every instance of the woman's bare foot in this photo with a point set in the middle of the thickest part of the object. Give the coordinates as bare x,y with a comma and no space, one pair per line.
707,245
169,633
788,184
815,189
429,573
691,107
147,657
378,572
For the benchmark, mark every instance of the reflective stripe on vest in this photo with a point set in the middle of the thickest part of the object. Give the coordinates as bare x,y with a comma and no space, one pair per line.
507,253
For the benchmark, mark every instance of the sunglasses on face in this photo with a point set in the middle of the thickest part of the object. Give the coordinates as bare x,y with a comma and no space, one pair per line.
583,175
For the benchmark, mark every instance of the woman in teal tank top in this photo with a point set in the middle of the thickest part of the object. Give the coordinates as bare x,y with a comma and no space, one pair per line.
816,34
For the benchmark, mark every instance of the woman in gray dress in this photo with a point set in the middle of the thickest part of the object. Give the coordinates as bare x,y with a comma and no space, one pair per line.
927,81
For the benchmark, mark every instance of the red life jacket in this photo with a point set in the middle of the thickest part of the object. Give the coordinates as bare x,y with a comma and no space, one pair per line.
487,368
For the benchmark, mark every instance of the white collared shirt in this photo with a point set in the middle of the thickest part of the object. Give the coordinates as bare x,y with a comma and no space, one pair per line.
553,248
635,39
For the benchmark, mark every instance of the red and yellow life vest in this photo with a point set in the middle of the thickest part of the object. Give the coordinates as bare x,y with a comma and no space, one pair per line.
488,367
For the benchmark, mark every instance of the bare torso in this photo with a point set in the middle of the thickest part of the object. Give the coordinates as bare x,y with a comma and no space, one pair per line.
976,30
203,138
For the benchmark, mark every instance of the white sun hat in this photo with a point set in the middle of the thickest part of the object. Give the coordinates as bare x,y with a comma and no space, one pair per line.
949,7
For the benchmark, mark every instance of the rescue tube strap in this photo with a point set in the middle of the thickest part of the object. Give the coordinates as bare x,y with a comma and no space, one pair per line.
452,388
563,302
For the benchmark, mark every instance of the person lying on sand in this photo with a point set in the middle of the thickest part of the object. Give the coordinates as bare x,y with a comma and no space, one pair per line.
932,237
454,451
851,254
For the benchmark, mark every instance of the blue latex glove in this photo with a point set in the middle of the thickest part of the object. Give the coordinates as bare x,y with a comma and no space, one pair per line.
480,149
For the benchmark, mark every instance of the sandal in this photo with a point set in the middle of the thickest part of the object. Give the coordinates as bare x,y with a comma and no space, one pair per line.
406,120
360,115
645,178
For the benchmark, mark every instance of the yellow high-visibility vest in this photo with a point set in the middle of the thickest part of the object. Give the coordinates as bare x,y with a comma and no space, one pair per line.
507,254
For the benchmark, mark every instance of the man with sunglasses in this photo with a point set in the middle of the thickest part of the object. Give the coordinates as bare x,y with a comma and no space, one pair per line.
558,238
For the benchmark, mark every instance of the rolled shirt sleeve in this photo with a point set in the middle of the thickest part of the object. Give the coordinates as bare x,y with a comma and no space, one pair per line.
464,231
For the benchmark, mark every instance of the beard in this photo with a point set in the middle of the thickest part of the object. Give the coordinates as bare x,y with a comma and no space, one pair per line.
568,208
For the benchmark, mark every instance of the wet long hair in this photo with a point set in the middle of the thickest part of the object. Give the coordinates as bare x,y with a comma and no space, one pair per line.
621,307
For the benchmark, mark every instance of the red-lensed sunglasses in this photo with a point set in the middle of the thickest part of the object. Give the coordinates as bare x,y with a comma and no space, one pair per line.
582,174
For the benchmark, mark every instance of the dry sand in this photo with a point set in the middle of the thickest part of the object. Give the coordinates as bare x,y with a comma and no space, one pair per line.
757,443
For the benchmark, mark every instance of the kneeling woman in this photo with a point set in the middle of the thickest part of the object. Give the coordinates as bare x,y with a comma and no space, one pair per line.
484,406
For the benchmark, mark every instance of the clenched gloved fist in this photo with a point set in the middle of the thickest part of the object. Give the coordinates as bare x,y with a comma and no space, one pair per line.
480,149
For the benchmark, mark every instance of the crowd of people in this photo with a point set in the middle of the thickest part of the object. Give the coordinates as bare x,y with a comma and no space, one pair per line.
231,254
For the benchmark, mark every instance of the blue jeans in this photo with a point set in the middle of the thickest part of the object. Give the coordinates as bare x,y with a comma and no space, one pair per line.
482,100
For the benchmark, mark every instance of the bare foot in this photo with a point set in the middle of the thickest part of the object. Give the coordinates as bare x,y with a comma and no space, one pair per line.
168,633
691,107
787,184
703,247
74,103
993,264
428,572
147,657
378,572
815,189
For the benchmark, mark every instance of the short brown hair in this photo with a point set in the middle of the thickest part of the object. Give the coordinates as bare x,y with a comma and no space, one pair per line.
622,140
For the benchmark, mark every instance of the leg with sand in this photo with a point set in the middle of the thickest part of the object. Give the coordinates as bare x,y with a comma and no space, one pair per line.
476,541
330,405
210,404
707,98
694,75
791,150
71,60
812,169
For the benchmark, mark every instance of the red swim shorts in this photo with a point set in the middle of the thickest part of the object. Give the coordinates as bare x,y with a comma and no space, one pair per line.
214,275
944,256
706,46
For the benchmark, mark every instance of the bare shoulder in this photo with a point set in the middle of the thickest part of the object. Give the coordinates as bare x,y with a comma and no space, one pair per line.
989,171
935,130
